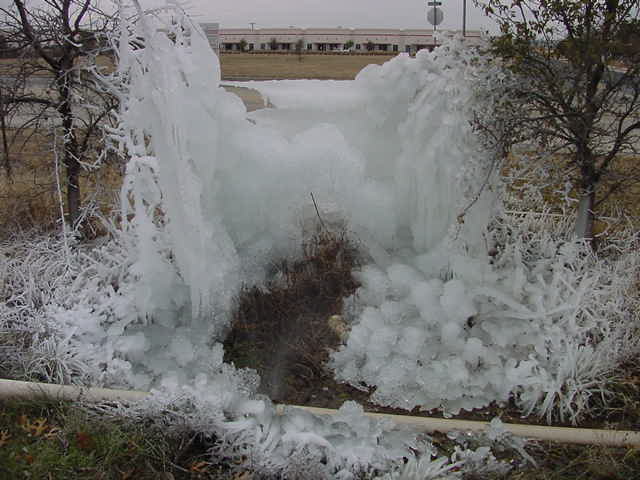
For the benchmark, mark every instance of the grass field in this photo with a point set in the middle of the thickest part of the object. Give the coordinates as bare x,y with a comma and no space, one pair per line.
257,66
273,66
51,440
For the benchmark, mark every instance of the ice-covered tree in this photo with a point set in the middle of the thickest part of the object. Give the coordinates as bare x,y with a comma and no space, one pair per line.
577,98
55,46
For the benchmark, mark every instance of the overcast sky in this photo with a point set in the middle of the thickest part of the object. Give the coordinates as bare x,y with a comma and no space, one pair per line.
324,13
333,13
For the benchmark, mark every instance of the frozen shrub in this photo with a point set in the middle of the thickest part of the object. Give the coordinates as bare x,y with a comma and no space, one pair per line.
544,320
56,308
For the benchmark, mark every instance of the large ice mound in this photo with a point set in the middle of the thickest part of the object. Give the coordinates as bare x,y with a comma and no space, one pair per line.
212,196
454,311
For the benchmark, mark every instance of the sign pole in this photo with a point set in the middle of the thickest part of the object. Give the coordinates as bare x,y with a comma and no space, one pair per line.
464,18
435,25
434,17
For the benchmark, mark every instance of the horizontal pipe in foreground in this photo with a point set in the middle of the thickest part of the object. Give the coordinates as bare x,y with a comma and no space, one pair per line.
613,438
584,436
32,390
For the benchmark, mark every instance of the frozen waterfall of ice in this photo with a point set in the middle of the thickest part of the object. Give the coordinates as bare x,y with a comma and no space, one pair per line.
213,194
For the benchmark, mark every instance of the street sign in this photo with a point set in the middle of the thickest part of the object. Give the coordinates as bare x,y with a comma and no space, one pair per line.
435,16
434,4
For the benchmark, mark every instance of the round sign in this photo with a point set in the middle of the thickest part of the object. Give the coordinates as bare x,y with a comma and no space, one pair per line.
435,16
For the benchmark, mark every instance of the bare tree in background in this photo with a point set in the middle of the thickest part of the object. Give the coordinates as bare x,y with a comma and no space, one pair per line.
52,80
300,48
577,95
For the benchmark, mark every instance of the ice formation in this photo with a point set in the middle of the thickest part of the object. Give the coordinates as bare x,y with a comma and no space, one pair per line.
390,158
213,194
210,196
544,319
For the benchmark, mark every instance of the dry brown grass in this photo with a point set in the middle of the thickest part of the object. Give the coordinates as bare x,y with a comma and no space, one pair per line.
616,211
12,65
251,98
257,66
283,330
279,66
29,194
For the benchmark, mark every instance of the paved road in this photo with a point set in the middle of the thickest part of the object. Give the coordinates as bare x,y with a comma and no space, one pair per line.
251,98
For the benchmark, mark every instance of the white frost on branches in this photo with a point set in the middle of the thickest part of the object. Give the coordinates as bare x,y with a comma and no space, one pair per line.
543,319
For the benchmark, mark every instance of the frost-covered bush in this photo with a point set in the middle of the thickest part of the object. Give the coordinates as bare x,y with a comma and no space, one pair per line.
71,312
58,298
542,319
472,456
249,433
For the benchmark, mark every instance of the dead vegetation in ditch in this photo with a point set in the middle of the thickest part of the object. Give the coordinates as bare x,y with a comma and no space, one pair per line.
283,331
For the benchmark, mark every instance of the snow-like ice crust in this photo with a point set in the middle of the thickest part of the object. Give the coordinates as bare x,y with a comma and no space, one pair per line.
312,94
456,309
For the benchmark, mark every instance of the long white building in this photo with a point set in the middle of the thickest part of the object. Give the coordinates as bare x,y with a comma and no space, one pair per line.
330,39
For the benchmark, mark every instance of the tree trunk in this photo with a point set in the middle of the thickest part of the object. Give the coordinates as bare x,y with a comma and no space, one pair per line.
584,221
70,147
5,140
73,190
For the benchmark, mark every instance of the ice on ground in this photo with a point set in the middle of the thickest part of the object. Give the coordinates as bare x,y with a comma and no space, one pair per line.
437,322
91,287
542,329
308,94
212,195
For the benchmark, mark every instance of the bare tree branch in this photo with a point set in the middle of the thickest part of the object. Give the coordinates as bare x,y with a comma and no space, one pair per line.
568,91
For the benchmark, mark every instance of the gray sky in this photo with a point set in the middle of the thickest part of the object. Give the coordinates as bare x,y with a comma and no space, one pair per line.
323,13
333,13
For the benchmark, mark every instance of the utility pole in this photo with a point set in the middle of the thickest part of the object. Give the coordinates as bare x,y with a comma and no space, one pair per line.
464,18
